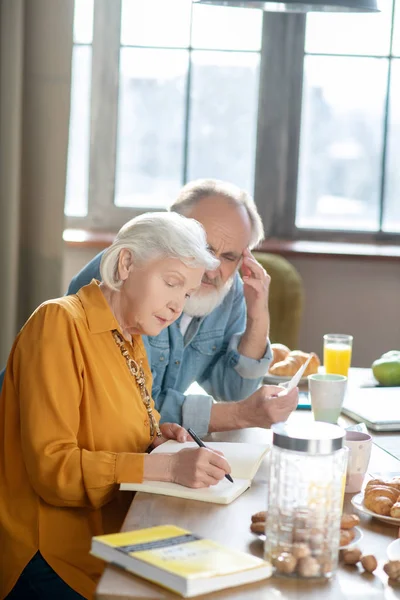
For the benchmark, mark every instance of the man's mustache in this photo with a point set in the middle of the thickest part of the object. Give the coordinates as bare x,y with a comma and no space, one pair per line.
216,282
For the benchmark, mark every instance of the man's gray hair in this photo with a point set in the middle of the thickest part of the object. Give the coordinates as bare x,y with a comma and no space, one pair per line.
157,235
195,191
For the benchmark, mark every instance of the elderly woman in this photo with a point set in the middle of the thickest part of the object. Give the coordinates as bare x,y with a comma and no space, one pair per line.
76,418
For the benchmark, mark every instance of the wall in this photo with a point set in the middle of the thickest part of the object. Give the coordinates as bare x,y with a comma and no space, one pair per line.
357,296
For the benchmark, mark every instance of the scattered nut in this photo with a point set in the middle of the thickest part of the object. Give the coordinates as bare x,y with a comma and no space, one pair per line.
316,539
349,521
308,567
346,536
351,556
285,563
326,566
392,568
258,527
260,516
301,535
300,550
369,563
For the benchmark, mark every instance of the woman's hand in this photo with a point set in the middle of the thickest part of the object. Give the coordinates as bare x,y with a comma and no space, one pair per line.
192,467
198,467
171,431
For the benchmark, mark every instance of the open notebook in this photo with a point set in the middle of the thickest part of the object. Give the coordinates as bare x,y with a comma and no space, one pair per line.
244,460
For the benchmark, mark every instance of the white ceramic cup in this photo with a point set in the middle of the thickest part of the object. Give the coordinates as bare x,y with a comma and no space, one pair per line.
327,394
359,445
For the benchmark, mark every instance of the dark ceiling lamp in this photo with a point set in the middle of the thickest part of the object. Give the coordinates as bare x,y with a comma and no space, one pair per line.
300,6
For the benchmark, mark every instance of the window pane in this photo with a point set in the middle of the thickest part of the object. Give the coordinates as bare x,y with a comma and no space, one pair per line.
156,23
76,201
396,32
224,28
350,33
150,126
83,21
341,143
392,206
223,116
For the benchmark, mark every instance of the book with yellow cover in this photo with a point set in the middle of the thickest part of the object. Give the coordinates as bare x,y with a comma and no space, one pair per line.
179,560
244,459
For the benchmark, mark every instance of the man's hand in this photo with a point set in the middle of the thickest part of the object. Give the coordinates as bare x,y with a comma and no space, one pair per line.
261,409
256,287
256,283
171,431
265,407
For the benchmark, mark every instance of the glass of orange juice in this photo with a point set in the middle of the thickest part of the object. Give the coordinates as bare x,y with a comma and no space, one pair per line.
337,353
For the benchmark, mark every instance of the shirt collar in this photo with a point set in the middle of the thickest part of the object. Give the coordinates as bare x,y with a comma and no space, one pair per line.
99,315
98,312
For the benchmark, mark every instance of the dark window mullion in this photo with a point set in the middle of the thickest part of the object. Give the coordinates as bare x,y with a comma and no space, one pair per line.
104,108
279,121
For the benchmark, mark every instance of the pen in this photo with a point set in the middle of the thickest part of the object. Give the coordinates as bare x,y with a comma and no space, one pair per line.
202,445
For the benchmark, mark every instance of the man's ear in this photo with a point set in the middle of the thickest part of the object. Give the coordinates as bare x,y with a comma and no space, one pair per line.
125,264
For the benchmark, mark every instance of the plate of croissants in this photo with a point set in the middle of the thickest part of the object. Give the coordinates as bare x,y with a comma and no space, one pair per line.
380,499
285,363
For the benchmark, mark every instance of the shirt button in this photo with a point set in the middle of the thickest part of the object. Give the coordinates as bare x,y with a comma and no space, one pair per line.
214,348
161,358
177,362
146,422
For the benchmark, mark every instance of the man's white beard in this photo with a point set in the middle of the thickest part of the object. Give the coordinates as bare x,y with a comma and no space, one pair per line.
203,303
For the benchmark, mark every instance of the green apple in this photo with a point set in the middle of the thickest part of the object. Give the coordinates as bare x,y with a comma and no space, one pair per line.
386,369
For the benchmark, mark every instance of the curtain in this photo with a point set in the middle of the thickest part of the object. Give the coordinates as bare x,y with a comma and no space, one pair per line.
35,80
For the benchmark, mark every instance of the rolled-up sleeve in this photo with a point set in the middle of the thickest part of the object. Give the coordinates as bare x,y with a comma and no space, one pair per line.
249,368
196,413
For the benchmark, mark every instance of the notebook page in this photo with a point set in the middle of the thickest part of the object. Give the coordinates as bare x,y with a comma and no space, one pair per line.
244,459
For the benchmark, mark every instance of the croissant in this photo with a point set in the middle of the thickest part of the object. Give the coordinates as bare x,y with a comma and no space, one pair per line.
279,352
292,363
287,367
393,483
301,354
312,366
379,505
383,497
395,510
381,491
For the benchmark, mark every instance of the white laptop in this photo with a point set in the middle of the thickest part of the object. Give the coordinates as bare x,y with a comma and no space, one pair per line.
377,407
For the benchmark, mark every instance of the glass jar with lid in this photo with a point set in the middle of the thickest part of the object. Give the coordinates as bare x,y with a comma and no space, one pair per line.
305,498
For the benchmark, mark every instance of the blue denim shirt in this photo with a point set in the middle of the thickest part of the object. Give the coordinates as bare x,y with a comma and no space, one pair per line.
208,356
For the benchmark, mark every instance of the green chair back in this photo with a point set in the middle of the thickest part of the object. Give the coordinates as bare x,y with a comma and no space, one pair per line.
286,299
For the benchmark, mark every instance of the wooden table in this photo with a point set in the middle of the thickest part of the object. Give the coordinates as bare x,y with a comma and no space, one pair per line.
230,525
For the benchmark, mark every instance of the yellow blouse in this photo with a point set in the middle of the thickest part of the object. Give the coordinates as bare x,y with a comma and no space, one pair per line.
72,427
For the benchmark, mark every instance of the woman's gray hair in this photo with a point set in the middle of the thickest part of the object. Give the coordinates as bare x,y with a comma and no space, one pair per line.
197,190
156,235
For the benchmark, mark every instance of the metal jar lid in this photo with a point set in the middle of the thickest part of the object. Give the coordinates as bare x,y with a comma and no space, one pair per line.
314,437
